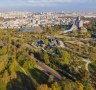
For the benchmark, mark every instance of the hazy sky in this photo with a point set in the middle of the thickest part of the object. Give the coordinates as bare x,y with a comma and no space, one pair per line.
48,5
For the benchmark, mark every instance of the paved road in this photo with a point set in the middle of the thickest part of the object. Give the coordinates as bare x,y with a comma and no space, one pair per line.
46,69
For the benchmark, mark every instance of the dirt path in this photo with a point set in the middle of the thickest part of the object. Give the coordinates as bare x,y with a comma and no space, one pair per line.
87,63
43,67
21,68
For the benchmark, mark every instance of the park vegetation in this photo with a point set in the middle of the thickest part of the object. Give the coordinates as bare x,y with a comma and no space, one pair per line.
19,66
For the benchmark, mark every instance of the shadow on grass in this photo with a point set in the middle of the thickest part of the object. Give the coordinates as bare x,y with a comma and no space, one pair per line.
92,68
69,74
22,82
39,76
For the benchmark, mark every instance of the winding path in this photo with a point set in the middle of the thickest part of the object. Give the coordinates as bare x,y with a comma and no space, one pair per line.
87,63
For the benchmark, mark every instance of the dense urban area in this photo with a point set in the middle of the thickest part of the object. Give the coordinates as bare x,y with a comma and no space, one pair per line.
47,51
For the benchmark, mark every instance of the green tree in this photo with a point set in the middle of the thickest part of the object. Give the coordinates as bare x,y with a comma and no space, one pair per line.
46,58
88,86
66,57
56,86
46,41
28,64
43,87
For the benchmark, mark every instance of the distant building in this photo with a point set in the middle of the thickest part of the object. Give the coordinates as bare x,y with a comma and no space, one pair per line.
53,42
79,22
77,25
93,36
40,42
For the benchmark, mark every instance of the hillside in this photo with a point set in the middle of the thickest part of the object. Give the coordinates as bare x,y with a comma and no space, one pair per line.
46,60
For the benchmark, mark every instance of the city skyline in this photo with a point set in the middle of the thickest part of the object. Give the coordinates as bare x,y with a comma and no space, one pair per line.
47,5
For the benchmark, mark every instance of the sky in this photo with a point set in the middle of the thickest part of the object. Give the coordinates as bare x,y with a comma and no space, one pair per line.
47,5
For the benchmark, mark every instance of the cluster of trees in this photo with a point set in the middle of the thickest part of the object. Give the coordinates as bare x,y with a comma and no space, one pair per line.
92,26
15,57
